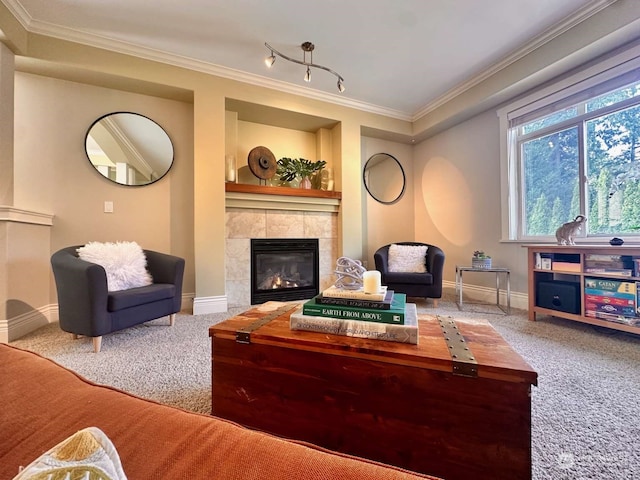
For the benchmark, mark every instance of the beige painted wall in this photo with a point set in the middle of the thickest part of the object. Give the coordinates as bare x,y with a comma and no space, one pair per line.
6,125
209,142
452,185
53,174
28,269
6,170
388,223
457,198
24,280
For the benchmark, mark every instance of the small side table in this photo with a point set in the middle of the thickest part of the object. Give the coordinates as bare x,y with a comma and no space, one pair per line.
497,271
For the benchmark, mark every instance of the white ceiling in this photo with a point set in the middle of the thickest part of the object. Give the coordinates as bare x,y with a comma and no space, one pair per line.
399,56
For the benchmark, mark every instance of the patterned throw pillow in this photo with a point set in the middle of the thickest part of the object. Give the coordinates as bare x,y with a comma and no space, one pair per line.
87,454
407,258
124,263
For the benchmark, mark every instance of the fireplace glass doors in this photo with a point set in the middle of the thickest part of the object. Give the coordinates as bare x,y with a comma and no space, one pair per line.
284,269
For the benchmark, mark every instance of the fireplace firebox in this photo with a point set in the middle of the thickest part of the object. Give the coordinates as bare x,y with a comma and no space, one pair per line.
284,269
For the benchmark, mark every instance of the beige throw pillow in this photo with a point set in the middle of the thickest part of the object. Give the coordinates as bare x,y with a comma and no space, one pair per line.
407,258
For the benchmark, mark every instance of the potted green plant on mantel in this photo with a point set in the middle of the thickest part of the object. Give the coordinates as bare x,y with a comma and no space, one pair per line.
290,169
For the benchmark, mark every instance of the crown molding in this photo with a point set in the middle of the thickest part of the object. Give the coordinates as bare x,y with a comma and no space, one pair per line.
98,41
567,24
93,40
18,11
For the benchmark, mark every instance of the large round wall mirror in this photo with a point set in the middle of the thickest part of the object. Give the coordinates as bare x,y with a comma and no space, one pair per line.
129,148
384,178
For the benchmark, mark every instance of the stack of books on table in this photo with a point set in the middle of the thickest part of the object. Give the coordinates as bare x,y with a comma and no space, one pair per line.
353,313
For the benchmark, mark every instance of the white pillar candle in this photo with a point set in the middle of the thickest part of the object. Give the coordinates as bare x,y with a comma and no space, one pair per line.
372,281
230,168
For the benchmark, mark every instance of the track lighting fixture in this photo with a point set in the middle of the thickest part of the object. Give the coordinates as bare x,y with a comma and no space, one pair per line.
307,47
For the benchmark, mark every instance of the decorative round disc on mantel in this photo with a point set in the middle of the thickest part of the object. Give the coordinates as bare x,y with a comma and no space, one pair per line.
262,162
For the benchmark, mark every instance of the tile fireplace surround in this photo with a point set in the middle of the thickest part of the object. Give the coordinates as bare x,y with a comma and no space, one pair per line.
244,221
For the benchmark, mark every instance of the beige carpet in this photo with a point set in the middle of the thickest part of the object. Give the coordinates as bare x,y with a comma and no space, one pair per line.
584,411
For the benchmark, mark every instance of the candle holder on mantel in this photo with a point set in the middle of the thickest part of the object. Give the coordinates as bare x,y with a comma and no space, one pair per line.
230,168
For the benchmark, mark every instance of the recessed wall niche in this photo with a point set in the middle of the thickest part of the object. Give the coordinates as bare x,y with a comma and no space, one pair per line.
286,133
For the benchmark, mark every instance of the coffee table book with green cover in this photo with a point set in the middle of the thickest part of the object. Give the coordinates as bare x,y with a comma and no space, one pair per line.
395,314
406,333
355,302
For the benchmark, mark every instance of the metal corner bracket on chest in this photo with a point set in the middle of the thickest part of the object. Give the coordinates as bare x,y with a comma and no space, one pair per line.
243,335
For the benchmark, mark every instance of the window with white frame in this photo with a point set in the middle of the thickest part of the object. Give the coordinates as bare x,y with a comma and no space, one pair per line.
576,152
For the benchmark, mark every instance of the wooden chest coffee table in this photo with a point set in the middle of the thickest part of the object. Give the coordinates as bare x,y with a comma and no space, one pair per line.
396,403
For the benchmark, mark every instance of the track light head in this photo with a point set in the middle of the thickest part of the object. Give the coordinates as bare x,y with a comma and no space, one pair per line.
269,61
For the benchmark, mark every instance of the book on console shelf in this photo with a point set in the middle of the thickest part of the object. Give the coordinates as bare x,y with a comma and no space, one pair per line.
384,304
608,293
359,294
406,333
613,317
621,272
636,267
610,284
613,300
566,266
611,264
606,257
395,314
624,310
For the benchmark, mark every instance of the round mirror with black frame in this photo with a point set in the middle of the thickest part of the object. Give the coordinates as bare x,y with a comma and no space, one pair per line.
129,148
384,178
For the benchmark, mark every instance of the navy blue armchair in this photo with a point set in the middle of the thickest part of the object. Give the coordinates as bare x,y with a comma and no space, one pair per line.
87,308
427,285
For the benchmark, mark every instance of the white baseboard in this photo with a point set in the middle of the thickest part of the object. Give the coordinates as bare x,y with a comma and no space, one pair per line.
16,327
488,295
204,305
186,305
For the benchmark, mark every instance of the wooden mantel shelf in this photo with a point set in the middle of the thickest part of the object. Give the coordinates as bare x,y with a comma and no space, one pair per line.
239,195
285,191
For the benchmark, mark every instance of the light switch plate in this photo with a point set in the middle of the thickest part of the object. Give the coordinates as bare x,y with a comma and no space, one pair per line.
108,207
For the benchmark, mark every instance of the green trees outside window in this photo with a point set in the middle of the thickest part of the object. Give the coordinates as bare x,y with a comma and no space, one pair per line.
582,159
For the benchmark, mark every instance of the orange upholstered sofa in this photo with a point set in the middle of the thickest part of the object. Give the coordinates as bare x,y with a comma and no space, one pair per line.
42,403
